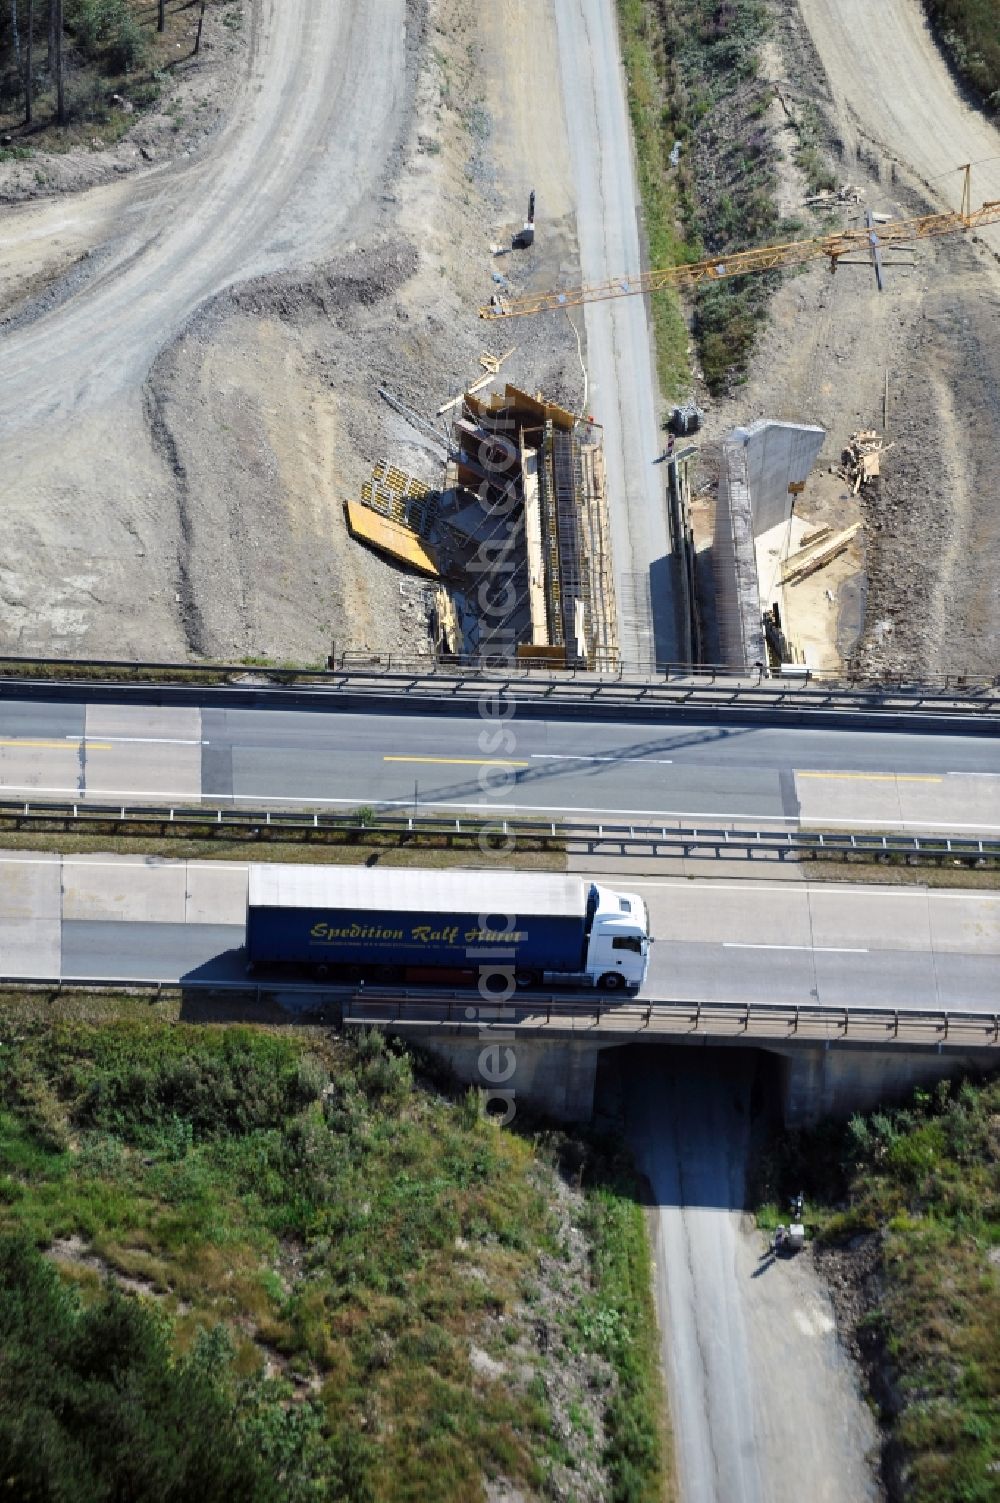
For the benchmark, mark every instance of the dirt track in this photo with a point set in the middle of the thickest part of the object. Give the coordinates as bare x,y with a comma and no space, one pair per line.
933,606
96,531
263,197
912,110
622,384
765,1404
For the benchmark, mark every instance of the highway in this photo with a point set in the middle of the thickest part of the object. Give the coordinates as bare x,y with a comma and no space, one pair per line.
330,758
825,944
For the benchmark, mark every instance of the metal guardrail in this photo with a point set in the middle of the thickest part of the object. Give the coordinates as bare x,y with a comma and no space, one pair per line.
553,1017
670,684
262,825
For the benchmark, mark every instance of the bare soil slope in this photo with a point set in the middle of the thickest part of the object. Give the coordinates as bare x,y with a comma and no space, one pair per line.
184,411
933,604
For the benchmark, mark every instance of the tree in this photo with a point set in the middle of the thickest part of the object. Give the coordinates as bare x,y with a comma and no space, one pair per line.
29,81
60,79
201,22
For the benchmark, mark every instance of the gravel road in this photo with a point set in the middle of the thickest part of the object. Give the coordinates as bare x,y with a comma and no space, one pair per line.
891,105
309,138
764,1401
623,394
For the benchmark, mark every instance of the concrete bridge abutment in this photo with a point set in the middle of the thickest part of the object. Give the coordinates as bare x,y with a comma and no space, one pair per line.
558,1079
835,1080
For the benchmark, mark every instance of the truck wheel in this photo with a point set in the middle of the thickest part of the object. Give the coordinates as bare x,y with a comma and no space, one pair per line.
524,979
611,982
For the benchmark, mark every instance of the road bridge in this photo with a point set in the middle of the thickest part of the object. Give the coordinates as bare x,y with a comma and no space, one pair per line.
859,989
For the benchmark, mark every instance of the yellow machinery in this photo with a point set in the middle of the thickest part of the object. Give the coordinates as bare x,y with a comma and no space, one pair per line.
765,258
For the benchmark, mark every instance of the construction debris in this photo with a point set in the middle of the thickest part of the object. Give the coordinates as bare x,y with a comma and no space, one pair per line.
491,364
479,385
861,461
817,556
847,193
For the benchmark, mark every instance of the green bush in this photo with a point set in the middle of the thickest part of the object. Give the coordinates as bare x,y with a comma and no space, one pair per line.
107,31
141,1086
970,30
94,1407
922,1182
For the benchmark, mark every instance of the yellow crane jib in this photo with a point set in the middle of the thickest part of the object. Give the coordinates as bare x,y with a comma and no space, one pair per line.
741,263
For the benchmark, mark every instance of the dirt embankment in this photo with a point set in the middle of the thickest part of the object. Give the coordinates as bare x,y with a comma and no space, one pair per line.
215,480
931,530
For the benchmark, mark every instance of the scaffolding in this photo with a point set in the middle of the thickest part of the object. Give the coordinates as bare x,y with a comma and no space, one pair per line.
402,498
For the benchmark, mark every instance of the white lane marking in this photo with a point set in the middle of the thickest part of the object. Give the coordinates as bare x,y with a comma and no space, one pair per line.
622,761
655,816
707,883
732,944
141,740
112,860
854,889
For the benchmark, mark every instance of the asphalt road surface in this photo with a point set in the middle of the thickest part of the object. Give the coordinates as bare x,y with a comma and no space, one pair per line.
764,1402
825,944
687,773
622,388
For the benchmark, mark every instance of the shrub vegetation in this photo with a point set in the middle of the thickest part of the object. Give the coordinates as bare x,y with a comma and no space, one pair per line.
705,162
920,1185
250,1263
970,30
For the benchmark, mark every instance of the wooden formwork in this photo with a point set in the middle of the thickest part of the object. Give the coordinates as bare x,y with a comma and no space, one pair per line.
600,570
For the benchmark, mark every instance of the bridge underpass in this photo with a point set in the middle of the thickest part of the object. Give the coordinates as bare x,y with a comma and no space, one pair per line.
747,1345
861,990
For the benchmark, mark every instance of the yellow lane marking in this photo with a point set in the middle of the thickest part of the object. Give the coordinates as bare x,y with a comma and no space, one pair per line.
461,761
877,777
65,745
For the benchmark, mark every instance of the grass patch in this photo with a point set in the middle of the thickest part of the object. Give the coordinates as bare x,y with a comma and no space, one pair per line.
970,31
622,1321
666,243
694,93
320,1235
422,851
923,1181
171,673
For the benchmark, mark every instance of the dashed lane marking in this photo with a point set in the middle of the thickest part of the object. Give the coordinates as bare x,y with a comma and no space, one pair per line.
460,761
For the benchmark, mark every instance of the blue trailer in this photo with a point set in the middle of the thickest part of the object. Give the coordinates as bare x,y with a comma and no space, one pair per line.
444,926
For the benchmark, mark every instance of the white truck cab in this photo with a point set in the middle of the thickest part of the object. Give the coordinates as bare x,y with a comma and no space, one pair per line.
618,942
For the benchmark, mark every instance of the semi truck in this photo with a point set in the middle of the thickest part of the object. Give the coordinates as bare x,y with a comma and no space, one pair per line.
446,927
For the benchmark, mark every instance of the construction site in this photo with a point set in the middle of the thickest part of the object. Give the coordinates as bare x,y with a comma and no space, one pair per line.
445,431
517,535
